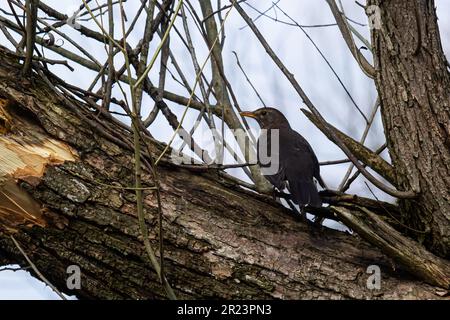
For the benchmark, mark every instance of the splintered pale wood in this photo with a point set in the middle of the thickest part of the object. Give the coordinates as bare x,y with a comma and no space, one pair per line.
25,152
21,159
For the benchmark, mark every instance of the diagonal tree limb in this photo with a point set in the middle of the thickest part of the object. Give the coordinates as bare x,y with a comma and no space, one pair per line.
363,139
365,155
409,253
366,67
357,173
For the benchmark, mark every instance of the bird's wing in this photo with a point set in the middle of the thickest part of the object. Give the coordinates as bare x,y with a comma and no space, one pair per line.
297,156
301,166
302,146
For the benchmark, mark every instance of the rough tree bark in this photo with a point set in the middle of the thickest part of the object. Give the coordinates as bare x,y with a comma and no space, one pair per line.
414,86
221,241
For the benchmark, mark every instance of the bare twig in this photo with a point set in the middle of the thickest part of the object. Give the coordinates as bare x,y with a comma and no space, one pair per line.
276,19
136,96
357,173
362,140
36,270
32,7
222,87
49,61
248,80
109,82
333,162
327,62
366,67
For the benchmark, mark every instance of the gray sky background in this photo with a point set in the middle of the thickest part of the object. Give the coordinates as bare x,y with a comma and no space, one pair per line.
298,54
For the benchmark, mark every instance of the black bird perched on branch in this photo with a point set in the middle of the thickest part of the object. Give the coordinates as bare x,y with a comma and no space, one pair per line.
294,164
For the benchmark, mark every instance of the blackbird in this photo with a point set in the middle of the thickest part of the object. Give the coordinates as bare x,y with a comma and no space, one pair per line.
296,162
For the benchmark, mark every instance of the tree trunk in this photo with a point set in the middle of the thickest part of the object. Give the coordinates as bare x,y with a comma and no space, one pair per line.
414,86
221,241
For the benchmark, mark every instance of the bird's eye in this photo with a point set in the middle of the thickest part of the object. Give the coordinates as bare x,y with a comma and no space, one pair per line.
263,113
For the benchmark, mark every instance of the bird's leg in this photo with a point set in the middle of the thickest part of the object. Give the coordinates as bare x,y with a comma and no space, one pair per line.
302,211
303,215
318,220
315,228
274,194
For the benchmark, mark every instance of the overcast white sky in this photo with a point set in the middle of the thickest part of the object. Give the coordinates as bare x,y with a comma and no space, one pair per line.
298,54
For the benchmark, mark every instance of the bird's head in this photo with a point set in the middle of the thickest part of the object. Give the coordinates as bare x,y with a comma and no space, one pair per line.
267,118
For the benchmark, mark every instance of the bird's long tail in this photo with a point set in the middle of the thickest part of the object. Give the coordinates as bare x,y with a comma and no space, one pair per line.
321,182
304,192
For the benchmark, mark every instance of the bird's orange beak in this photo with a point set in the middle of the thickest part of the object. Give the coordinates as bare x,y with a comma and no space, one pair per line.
248,114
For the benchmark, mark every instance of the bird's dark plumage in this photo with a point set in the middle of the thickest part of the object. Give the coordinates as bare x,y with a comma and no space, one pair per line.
297,163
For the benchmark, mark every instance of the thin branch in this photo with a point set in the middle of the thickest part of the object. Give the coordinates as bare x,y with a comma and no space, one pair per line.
357,173
361,152
366,67
362,140
201,84
109,83
248,80
165,52
70,40
327,62
145,43
98,8
36,270
49,61
333,162
31,7
158,49
306,26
